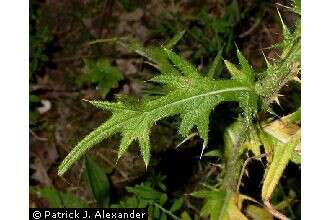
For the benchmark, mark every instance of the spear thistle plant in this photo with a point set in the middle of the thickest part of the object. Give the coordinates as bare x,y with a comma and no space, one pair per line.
193,95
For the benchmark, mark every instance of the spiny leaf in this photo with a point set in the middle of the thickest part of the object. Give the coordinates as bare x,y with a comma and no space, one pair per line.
246,77
235,73
156,55
245,74
246,67
192,96
282,71
186,68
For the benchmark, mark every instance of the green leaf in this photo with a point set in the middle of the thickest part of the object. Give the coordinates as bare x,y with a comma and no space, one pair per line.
286,69
184,66
246,67
221,204
144,196
245,74
213,153
58,199
185,216
281,139
146,192
155,55
296,6
34,98
294,117
176,205
101,72
282,154
235,73
214,200
163,199
163,216
296,157
258,213
191,96
209,194
98,182
176,38
215,65
246,77
156,212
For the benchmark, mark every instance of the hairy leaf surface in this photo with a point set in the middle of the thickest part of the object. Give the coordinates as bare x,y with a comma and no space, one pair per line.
191,95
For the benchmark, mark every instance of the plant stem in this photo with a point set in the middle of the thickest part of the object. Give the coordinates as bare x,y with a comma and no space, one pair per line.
166,211
234,163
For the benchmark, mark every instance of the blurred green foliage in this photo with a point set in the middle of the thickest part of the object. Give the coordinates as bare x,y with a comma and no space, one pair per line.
58,199
98,182
38,42
101,73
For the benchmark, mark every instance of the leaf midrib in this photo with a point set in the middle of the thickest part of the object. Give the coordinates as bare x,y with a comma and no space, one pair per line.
214,92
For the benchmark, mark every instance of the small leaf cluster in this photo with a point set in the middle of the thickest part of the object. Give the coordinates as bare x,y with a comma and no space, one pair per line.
101,73
145,196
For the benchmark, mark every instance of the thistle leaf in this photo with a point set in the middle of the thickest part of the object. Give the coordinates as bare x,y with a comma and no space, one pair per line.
245,74
246,67
186,68
191,96
234,72
154,54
